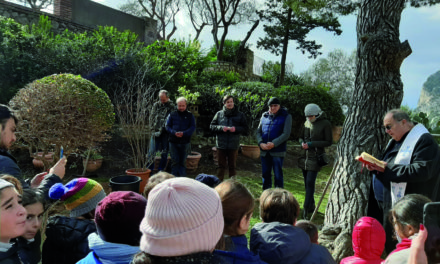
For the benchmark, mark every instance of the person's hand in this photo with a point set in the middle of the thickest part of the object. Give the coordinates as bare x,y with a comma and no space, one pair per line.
263,146
417,253
304,146
59,169
35,182
232,129
179,134
225,129
374,167
157,134
270,145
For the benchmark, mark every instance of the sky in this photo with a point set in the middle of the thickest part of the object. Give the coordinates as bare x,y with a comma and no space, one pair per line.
420,26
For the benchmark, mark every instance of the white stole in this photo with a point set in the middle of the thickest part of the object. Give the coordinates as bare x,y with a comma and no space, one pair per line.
404,158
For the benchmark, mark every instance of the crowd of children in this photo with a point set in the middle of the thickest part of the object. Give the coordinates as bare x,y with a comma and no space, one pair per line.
185,221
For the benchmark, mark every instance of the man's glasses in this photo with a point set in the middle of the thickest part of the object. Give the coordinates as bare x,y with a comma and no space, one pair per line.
388,127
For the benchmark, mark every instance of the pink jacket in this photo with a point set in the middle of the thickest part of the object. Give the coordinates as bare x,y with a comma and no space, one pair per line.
368,242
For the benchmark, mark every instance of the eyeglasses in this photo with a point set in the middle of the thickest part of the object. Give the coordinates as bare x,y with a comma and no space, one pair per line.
388,127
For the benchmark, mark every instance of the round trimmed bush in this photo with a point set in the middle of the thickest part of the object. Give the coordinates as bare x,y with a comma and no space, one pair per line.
62,110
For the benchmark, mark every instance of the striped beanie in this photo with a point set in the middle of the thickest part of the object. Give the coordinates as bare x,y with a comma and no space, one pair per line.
183,216
80,195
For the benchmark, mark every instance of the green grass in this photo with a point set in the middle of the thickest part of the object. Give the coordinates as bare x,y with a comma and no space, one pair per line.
293,182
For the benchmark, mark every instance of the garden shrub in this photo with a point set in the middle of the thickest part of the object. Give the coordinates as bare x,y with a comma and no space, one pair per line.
179,63
62,110
230,51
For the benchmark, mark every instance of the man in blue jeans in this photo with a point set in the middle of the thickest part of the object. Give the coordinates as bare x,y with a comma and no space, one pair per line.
272,134
180,126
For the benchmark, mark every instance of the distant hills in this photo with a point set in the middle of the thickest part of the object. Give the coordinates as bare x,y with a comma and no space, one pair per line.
429,101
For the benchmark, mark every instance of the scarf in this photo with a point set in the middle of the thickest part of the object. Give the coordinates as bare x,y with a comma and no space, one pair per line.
229,112
111,253
404,158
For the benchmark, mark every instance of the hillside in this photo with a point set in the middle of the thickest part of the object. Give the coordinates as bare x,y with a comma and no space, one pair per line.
429,101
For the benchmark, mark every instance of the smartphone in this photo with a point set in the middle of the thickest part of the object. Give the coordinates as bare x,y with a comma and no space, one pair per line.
431,220
61,152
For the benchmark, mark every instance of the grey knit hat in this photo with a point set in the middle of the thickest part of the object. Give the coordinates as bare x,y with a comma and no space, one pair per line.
312,110
5,184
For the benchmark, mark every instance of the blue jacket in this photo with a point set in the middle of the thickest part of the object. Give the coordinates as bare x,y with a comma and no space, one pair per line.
180,122
276,129
240,253
8,165
277,243
107,252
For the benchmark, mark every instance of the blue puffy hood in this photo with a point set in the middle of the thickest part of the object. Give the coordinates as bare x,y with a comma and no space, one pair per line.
277,243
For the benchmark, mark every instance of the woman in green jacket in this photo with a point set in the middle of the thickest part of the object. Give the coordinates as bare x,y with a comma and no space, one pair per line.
315,136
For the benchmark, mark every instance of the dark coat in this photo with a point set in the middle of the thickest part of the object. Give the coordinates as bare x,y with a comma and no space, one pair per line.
422,174
240,253
66,240
8,165
317,135
10,256
231,118
159,115
278,243
30,252
180,122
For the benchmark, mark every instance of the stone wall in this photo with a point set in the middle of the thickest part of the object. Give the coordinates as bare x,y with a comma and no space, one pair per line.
27,16
83,15
229,66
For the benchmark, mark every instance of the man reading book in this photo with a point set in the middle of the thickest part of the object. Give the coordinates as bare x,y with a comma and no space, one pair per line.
412,165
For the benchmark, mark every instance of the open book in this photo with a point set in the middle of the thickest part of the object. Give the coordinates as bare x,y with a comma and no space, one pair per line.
367,159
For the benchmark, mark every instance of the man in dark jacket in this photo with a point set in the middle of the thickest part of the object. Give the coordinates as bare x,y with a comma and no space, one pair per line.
159,135
180,125
228,124
8,164
272,134
412,166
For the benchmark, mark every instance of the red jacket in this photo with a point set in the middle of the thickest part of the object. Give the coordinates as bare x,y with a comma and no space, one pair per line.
368,242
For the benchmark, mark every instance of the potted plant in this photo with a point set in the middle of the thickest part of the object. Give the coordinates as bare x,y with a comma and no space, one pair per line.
62,110
133,101
92,160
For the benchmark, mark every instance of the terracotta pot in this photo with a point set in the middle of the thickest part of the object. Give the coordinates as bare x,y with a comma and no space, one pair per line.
251,151
39,163
337,131
92,165
192,161
144,174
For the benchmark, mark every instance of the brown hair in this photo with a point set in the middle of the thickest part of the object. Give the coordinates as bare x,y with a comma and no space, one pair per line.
155,180
408,211
227,97
237,202
278,205
310,228
14,181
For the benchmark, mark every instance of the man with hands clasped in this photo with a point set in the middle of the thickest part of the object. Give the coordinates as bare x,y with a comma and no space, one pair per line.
272,135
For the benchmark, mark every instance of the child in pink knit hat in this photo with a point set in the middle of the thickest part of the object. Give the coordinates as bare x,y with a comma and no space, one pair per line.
183,222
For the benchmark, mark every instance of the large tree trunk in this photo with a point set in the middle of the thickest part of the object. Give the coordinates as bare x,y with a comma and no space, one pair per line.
378,88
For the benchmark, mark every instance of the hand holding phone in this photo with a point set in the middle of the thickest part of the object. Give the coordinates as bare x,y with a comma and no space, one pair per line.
431,220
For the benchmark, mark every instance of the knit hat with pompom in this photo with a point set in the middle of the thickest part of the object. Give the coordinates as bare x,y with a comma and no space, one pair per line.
80,195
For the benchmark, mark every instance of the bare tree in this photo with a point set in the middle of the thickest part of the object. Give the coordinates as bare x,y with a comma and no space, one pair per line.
224,13
199,15
164,11
37,4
